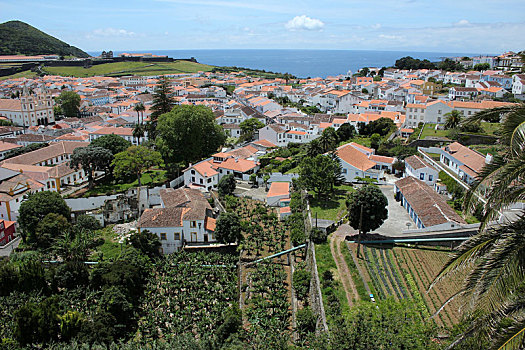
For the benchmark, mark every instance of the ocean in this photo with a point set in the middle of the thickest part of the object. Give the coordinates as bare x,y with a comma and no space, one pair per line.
301,63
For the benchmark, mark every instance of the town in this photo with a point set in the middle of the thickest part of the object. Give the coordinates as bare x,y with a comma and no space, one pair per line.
229,207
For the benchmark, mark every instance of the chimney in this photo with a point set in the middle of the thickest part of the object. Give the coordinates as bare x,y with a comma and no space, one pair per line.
488,158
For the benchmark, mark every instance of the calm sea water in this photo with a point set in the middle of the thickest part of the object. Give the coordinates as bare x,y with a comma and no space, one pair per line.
301,63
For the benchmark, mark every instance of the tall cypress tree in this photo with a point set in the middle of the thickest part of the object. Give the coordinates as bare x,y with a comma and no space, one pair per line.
163,102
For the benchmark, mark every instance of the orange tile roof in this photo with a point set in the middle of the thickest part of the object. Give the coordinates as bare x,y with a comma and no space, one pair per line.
278,189
354,157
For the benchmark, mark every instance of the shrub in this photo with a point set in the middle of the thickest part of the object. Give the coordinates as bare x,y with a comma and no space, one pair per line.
306,321
318,236
301,283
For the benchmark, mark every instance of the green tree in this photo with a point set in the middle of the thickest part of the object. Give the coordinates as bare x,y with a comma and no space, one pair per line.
69,102
367,210
139,108
228,228
320,174
37,323
481,66
163,100
188,134
88,223
135,160
113,143
375,141
36,207
231,324
328,139
248,128
91,159
139,131
226,185
49,229
453,119
314,148
146,242
345,132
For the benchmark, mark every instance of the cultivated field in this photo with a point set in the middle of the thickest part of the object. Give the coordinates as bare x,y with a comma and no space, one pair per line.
405,272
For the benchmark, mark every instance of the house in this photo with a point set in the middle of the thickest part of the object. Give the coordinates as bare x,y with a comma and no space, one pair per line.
6,147
7,231
425,206
14,186
421,169
185,218
462,92
518,85
126,133
206,174
277,192
463,161
357,164
49,165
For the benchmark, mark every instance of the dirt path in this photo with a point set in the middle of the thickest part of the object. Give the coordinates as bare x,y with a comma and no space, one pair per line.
342,268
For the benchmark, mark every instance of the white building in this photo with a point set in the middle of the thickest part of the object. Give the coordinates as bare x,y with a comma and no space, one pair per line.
421,169
29,110
185,218
425,206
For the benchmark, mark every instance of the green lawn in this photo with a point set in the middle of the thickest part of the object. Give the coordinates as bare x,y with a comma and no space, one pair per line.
362,140
333,207
325,262
24,74
130,68
111,248
430,131
490,128
149,178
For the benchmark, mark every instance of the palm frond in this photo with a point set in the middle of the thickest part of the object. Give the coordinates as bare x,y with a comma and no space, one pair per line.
515,338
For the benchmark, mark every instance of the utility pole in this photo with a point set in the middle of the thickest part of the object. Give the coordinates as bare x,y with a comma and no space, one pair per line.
360,232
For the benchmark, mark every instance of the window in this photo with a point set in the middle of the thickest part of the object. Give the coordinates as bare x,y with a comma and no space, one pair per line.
344,171
177,236
193,224
193,237
163,236
430,177
422,176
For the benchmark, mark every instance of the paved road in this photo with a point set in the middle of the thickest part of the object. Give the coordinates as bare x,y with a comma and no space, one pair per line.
397,216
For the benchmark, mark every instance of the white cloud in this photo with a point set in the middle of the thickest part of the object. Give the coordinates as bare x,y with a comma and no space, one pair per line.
463,22
111,32
376,26
304,23
391,37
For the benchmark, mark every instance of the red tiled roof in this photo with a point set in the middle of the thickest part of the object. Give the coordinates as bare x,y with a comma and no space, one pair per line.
278,189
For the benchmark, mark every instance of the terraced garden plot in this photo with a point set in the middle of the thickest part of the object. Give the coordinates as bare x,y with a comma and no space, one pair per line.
266,286
402,272
189,293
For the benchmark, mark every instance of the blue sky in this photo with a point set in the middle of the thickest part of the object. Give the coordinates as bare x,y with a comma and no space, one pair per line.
481,26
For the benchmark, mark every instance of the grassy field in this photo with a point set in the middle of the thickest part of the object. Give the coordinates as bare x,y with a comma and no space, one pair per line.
111,248
430,131
325,262
130,68
24,74
331,208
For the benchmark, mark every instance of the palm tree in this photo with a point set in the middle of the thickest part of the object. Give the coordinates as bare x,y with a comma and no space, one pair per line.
502,179
453,119
495,258
138,132
139,108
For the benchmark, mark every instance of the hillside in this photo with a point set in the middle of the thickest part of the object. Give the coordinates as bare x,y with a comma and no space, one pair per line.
20,38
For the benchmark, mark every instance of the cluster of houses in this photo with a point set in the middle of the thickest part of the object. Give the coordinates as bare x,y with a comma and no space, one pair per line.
109,106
